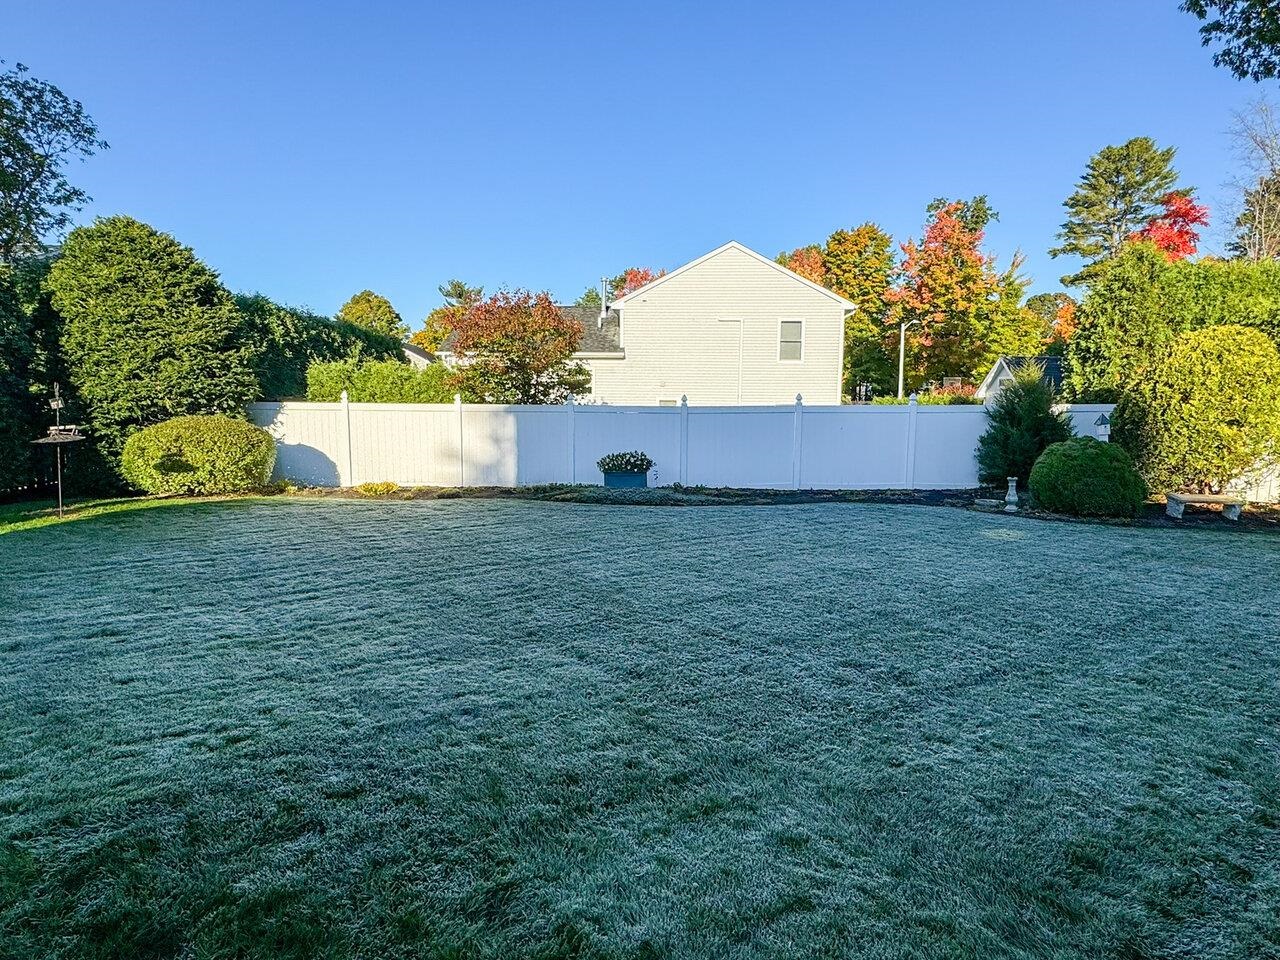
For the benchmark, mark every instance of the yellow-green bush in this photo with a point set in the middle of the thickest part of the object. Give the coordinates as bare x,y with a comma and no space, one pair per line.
199,455
1207,412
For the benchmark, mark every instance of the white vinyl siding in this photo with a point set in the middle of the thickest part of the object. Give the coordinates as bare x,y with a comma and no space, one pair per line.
713,334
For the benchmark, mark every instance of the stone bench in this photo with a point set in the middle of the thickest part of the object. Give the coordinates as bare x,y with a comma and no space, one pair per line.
1177,502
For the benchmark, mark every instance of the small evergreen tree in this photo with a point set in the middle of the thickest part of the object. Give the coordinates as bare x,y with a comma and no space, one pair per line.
148,333
1021,424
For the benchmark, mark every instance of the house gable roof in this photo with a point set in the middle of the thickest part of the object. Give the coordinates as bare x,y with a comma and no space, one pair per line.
1050,364
733,245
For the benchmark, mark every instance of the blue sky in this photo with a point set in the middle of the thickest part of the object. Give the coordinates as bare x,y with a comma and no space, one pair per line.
310,150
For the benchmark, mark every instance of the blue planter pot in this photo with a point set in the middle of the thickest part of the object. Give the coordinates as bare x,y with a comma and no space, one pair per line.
626,479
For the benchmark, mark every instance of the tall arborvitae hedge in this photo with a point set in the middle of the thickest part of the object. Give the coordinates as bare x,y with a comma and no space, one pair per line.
148,331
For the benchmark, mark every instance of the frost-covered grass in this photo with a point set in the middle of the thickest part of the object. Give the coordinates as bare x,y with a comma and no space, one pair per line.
500,729
32,514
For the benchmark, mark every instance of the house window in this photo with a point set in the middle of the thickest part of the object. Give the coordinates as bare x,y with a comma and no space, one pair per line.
790,339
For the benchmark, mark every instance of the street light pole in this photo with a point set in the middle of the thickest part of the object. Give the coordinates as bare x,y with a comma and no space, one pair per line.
902,351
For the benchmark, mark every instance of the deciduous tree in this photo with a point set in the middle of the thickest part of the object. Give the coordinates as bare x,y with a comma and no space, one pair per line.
808,262
1249,31
375,312
1174,232
439,323
1122,191
859,264
517,347
1255,135
41,130
963,312
633,278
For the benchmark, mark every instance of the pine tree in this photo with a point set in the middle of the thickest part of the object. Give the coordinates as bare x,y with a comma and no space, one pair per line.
1123,189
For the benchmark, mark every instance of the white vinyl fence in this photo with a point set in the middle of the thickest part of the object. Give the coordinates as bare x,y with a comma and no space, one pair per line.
847,447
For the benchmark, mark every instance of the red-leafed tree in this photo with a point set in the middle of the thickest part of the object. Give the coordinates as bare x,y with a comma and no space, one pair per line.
517,347
1174,230
633,278
806,261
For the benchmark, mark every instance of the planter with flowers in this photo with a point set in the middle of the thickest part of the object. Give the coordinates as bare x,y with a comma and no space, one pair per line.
629,469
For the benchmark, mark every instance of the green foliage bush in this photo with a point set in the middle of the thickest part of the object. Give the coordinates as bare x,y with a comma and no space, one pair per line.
16,423
631,461
199,455
1207,413
1087,478
943,397
383,381
1138,302
1021,424
148,331
290,339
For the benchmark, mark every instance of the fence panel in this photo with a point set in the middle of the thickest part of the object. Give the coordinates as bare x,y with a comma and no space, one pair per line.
741,446
854,447
851,447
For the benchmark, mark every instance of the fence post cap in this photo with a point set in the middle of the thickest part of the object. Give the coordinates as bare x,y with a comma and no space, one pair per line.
457,398
912,400
570,400
684,400
343,396
799,400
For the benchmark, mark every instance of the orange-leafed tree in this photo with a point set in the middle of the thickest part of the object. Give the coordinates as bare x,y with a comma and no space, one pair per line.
633,278
1174,231
517,347
962,310
806,261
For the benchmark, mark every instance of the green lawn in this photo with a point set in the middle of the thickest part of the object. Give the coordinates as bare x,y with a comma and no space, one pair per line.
501,729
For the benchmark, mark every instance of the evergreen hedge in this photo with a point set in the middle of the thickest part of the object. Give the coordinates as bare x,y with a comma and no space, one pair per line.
381,381
16,422
290,339
199,455
1207,413
1087,478
1138,302
148,331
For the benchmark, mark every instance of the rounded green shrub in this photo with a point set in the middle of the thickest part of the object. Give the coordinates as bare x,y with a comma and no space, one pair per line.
1087,478
199,455
1207,413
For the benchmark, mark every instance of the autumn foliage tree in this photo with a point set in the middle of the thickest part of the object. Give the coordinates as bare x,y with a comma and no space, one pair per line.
1174,230
517,347
806,261
963,311
375,312
440,322
633,278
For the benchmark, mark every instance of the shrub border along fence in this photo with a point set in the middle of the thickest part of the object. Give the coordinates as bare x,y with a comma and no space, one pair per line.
912,446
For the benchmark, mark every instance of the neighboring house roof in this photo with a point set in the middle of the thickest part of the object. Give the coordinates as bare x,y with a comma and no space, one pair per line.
598,336
733,245
416,355
1008,366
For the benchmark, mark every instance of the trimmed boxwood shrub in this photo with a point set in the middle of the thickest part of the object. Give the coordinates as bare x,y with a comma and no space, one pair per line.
1087,478
199,455
1207,413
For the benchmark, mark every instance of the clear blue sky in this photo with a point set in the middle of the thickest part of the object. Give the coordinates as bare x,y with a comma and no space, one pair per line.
309,150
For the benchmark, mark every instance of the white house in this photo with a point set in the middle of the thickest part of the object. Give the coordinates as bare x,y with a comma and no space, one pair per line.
730,328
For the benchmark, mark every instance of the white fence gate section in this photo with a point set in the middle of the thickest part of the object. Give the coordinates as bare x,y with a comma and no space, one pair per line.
910,446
